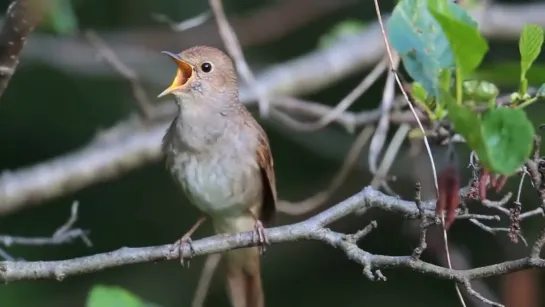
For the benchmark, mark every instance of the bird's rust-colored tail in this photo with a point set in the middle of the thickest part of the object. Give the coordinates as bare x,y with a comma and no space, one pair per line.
244,278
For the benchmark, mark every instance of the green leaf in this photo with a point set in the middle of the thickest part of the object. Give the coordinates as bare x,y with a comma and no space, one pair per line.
420,41
60,18
341,30
111,296
466,43
530,43
465,121
419,93
508,137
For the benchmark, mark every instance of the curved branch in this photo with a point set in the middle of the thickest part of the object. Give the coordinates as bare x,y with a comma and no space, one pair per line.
313,228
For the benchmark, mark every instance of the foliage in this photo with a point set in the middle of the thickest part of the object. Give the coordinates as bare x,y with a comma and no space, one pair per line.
111,296
441,48
60,18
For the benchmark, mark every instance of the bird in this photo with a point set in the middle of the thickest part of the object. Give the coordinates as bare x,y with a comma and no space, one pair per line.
220,158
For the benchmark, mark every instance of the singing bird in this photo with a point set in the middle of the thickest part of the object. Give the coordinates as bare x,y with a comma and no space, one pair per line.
220,157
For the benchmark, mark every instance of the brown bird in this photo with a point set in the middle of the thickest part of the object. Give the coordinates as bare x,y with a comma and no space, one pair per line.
220,157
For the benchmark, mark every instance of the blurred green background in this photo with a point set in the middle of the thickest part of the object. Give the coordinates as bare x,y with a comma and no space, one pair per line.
61,97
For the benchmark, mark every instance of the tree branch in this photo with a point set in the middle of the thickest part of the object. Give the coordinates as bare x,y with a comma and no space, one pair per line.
313,228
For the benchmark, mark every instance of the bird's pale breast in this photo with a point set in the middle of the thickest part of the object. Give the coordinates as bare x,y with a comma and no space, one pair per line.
217,183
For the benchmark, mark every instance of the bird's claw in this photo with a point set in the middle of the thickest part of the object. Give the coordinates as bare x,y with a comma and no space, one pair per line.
185,240
262,239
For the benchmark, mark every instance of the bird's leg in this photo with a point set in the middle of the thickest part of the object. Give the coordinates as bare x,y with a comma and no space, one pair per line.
259,231
186,239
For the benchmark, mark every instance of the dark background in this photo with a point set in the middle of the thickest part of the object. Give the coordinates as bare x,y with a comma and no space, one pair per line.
50,109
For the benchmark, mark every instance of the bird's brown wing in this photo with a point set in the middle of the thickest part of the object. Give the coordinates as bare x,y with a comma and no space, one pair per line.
266,165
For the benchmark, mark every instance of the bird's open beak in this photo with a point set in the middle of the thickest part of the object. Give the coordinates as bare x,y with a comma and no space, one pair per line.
183,74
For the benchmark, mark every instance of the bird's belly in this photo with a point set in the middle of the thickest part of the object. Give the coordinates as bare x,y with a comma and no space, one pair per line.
215,185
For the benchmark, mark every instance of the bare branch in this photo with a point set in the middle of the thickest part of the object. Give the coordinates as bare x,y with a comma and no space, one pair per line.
64,234
424,223
347,101
186,24
390,155
109,155
378,140
313,228
145,106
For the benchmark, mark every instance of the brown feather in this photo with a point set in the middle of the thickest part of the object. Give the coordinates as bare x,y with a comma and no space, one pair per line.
244,282
266,163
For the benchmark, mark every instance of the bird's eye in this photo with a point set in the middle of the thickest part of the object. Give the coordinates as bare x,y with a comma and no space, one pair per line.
206,67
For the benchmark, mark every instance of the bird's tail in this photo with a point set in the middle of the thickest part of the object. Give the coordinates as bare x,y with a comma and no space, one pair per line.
244,278
244,286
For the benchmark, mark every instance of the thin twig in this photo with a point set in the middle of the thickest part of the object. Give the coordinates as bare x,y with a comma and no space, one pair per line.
348,100
498,205
423,223
360,234
379,138
64,234
232,45
477,295
145,107
495,230
390,155
185,24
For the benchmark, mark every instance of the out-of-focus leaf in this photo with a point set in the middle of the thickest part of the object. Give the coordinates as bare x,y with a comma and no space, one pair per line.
112,296
60,18
341,30
530,43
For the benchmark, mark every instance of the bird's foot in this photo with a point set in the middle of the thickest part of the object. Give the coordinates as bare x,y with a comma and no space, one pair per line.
186,240
181,245
262,238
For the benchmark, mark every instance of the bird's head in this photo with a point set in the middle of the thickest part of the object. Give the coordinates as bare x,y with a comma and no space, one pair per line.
203,73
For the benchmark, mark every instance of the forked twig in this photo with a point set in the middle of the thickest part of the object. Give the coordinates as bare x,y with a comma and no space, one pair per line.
145,107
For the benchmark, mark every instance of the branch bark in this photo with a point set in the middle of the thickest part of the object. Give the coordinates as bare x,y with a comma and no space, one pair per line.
314,228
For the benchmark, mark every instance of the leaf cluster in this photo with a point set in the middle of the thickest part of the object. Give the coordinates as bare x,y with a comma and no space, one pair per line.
441,46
